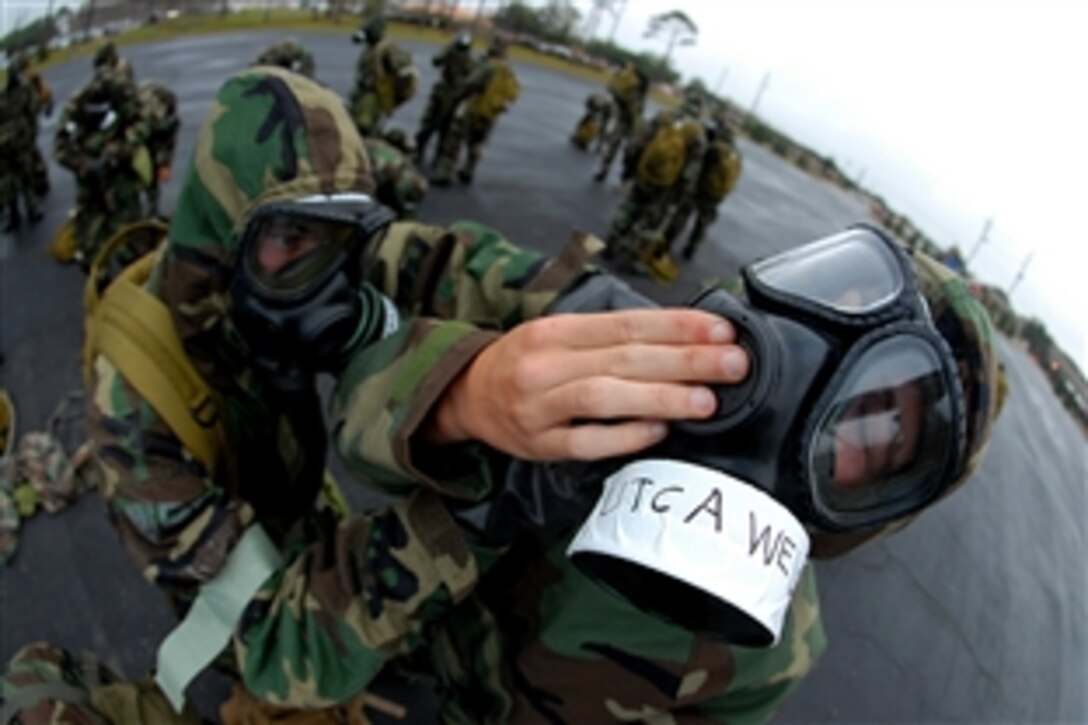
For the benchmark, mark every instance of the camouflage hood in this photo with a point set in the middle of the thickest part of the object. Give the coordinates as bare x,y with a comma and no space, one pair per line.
270,135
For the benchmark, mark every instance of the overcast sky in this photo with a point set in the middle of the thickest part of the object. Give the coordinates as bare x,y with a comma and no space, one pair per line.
955,111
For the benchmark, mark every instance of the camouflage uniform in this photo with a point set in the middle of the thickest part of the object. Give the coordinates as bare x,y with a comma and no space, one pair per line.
159,107
628,88
372,99
513,636
100,131
638,223
456,63
290,55
472,124
19,108
399,184
718,174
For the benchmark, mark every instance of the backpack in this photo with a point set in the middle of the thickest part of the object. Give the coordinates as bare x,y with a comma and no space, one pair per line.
133,329
398,79
662,161
502,90
721,168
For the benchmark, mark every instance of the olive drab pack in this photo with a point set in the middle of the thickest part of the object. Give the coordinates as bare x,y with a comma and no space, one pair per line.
398,80
134,331
721,168
502,89
663,159
625,83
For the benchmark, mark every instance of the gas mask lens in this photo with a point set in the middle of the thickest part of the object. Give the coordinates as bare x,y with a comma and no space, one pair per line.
851,273
291,252
884,443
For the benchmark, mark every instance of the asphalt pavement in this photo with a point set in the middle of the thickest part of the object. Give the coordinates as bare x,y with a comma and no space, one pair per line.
977,612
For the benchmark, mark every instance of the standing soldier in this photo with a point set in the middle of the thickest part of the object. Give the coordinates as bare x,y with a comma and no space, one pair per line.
669,153
592,129
101,132
289,54
628,88
21,104
384,78
718,175
159,106
486,94
456,63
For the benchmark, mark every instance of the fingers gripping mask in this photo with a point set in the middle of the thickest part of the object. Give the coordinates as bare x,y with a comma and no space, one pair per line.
851,417
298,298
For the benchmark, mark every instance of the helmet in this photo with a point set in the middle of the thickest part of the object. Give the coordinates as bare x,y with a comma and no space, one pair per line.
371,31
106,55
464,40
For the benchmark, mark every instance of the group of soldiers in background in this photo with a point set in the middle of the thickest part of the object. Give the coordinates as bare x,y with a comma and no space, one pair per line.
118,140
679,165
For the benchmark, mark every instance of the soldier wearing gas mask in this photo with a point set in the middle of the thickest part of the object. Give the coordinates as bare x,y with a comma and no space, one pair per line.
280,268
100,133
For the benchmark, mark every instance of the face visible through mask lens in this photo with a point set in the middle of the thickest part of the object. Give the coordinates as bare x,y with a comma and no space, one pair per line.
292,251
878,435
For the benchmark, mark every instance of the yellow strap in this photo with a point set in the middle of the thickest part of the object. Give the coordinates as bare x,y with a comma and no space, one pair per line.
133,329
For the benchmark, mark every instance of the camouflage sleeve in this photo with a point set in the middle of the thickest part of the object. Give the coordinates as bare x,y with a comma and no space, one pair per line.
347,597
765,677
466,273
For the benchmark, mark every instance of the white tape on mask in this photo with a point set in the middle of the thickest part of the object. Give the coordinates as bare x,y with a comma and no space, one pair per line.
702,527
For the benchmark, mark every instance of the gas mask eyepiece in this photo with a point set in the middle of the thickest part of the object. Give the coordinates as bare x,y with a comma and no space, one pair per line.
299,299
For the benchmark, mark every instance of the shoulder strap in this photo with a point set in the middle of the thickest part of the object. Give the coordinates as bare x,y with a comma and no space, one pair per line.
133,329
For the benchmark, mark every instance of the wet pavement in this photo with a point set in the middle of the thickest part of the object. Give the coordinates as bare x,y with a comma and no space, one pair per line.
978,612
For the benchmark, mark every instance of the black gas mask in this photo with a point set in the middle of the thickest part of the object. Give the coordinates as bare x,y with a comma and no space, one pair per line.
851,417
299,302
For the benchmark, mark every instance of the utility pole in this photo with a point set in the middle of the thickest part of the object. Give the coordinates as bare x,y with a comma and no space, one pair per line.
1020,274
721,82
759,93
618,13
982,239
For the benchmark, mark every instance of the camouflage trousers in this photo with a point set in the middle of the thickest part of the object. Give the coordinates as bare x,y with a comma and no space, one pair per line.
637,221
16,184
705,212
102,208
469,132
437,118
618,134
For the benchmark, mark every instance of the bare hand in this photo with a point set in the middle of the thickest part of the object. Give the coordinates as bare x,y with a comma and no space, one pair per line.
590,386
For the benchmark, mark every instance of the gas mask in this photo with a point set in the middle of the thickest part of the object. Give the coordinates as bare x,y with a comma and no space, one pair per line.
299,302
851,417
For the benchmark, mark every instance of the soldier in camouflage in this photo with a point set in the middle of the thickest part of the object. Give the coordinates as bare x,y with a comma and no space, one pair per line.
20,106
159,108
100,132
289,54
718,173
487,93
628,88
663,163
348,597
456,63
384,78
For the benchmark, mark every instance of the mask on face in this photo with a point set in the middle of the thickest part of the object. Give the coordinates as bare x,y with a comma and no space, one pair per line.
851,416
299,302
